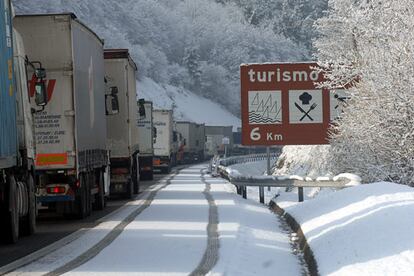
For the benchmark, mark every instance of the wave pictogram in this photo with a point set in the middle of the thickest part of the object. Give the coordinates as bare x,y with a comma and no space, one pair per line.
255,118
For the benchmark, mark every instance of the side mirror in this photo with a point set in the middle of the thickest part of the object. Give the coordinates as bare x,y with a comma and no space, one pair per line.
115,104
40,73
141,109
112,101
175,137
40,94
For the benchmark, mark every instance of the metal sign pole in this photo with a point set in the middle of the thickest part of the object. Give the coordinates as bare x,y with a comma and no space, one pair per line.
261,189
268,163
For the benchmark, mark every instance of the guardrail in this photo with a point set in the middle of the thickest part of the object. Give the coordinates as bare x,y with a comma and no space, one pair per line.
289,181
247,158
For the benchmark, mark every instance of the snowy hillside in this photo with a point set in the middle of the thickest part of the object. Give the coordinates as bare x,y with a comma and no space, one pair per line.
187,106
195,44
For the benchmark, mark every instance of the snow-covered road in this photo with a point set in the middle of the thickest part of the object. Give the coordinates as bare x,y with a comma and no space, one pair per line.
192,224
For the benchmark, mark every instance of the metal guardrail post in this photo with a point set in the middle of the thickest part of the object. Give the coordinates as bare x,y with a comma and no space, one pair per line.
300,194
261,194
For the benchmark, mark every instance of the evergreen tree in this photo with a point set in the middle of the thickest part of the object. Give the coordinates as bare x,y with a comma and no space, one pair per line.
191,61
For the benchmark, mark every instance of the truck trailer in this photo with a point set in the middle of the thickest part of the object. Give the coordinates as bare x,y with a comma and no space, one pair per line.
146,141
214,140
194,141
71,157
123,138
17,151
164,154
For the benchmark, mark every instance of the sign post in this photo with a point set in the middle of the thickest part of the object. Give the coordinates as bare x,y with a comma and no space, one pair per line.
268,164
225,141
281,105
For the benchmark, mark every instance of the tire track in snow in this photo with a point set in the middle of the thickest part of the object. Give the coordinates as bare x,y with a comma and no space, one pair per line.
93,251
211,254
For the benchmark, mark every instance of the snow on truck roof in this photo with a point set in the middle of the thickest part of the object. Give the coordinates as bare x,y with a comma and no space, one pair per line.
69,14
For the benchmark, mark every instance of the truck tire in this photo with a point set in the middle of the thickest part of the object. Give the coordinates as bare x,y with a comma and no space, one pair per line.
28,226
99,203
129,190
136,186
150,175
10,231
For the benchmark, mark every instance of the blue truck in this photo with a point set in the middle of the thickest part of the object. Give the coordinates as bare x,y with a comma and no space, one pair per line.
17,150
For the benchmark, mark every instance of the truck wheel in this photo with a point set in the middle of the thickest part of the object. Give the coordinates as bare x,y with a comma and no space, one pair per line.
136,184
11,217
29,222
129,189
99,203
150,175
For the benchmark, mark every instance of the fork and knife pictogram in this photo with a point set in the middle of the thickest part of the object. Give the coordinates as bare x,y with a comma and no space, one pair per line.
306,113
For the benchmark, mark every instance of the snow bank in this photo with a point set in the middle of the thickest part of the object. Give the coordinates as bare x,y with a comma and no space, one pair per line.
187,106
306,161
250,168
363,230
303,160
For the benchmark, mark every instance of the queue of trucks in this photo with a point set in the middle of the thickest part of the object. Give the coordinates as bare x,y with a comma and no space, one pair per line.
72,132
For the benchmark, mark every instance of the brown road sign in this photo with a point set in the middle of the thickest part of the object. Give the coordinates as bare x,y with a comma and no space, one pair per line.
281,105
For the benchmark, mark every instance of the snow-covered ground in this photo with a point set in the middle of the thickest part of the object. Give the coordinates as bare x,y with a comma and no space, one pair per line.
187,106
363,230
252,241
170,236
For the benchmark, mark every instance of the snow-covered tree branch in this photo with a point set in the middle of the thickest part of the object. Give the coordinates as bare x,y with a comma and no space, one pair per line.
370,45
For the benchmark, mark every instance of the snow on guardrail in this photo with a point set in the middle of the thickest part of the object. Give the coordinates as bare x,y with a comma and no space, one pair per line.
246,158
236,178
241,181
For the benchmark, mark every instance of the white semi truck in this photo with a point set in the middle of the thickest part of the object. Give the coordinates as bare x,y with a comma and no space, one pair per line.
194,140
164,150
214,140
147,137
72,156
123,137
